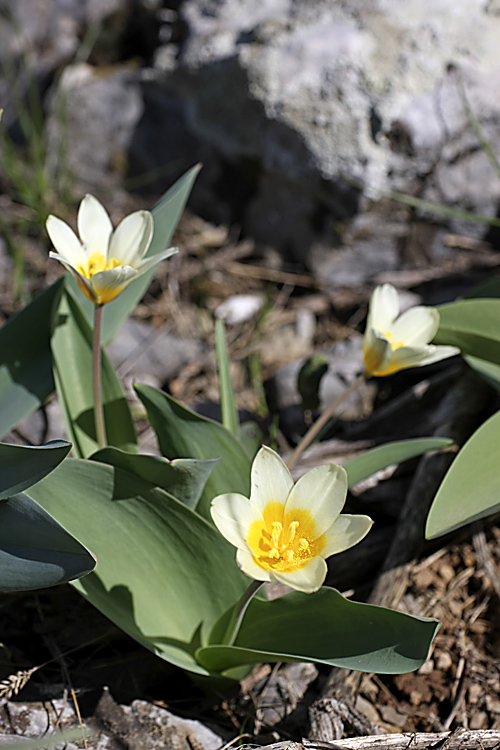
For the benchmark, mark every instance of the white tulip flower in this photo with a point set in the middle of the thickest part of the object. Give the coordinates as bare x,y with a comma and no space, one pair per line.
394,342
284,531
104,261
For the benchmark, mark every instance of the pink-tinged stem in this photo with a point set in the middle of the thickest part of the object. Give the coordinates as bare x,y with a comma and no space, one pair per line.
322,421
100,429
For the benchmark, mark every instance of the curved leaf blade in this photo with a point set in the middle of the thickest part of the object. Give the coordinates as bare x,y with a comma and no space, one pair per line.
164,574
183,434
35,551
489,370
327,629
471,487
23,465
362,467
26,360
184,478
473,325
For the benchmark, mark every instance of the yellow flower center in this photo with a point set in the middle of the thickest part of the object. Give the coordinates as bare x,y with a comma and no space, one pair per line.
394,344
97,263
284,541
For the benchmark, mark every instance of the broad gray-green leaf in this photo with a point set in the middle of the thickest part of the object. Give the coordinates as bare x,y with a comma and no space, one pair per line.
35,551
23,465
471,487
183,434
26,360
362,467
473,325
184,478
72,353
166,214
326,628
164,574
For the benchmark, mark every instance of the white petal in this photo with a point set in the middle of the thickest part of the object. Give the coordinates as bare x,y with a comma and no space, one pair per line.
233,514
322,491
131,238
94,226
345,533
82,281
377,351
108,284
307,579
153,261
65,241
383,309
247,564
271,480
408,356
416,327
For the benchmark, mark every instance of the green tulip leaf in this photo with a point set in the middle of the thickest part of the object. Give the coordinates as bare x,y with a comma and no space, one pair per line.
164,574
471,487
323,627
362,467
72,353
183,434
166,214
229,412
23,465
473,325
251,438
488,288
35,551
488,370
184,478
46,741
26,361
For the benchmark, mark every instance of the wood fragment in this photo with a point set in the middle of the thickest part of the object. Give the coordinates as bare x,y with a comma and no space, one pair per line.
461,739
484,557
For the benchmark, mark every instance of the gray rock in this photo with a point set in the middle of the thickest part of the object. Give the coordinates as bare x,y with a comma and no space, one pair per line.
345,364
150,727
139,350
312,91
91,122
167,730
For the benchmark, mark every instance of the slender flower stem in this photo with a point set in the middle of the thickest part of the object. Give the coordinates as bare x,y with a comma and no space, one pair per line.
239,613
100,429
316,428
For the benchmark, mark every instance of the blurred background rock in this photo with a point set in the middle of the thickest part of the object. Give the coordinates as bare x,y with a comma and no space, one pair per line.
292,106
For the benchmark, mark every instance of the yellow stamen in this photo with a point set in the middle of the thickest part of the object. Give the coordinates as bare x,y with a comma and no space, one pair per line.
286,544
276,529
97,263
394,344
292,530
